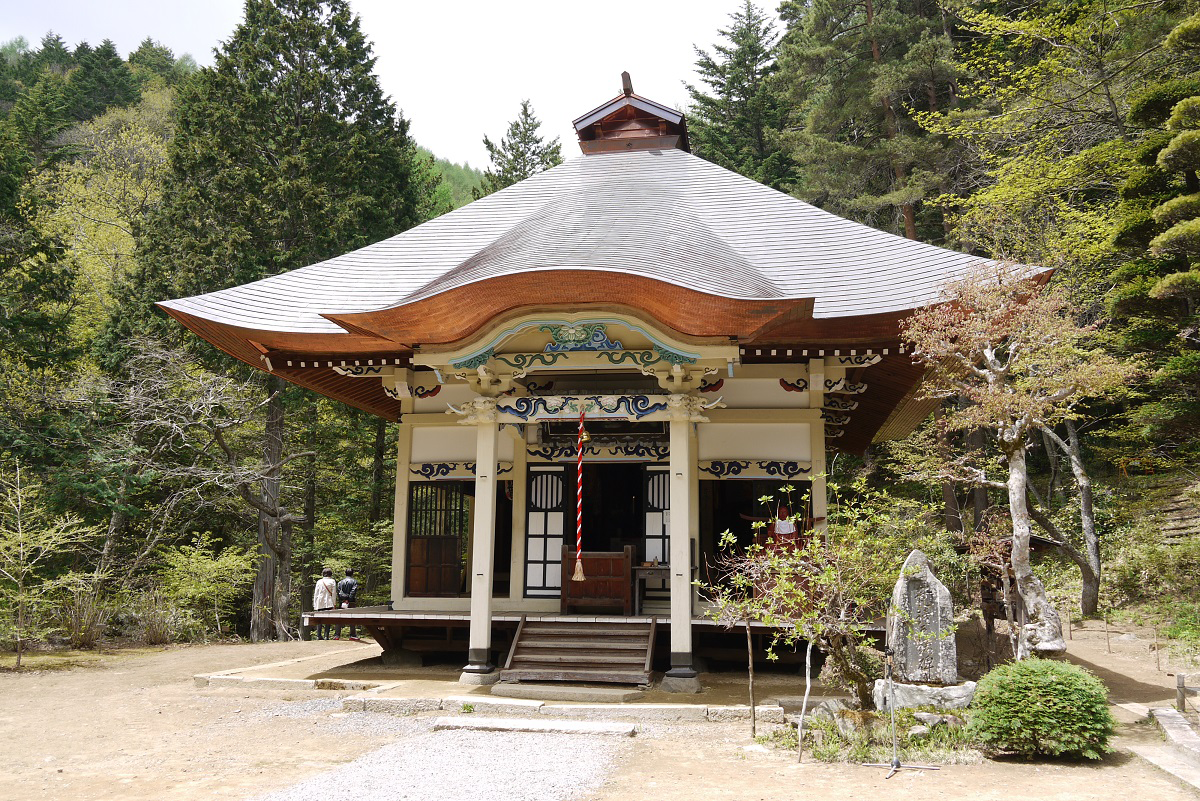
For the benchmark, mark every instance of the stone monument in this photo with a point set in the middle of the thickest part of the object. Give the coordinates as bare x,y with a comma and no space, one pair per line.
920,626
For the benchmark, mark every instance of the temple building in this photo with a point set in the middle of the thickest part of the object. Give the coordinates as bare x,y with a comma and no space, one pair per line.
717,338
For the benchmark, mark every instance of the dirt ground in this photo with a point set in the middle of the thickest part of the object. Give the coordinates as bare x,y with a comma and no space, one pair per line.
134,726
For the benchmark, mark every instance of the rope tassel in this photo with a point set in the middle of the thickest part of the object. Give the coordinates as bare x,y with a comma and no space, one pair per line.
578,576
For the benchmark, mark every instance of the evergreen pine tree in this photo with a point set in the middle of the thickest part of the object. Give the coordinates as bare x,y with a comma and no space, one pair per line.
102,81
521,153
154,59
287,152
737,121
1155,296
53,55
855,70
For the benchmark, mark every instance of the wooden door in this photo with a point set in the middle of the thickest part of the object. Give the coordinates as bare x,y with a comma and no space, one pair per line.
439,514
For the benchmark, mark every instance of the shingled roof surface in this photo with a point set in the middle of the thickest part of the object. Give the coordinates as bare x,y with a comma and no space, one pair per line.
661,214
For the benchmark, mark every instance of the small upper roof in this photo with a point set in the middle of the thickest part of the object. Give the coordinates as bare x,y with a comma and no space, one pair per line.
664,215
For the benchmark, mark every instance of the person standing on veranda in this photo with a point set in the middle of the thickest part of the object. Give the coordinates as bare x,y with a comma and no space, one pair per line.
325,598
347,590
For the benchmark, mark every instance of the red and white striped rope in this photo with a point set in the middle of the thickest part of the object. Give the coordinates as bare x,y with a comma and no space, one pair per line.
579,491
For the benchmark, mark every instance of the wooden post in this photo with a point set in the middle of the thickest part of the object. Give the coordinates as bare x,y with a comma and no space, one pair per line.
1157,661
1068,611
1107,641
1181,692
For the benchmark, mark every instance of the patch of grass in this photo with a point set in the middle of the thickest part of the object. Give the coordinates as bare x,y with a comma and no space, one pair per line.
48,658
51,660
781,737
872,740
1184,623
467,709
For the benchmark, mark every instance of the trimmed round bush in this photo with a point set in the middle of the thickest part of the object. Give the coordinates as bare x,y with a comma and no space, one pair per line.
1041,706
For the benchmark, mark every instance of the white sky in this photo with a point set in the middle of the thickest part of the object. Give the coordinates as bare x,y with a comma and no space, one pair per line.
457,69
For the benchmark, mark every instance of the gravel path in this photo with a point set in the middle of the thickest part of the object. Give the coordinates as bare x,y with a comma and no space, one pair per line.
467,766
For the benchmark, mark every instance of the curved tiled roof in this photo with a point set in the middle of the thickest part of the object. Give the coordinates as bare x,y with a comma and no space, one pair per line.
659,214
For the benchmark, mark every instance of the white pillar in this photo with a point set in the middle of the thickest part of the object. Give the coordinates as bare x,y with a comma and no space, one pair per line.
820,503
694,509
680,550
520,479
400,512
483,541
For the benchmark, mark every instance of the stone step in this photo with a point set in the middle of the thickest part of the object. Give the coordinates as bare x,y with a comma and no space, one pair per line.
474,723
567,692
568,673
491,706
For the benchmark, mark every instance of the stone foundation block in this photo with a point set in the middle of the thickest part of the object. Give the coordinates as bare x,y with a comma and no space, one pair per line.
645,712
763,714
479,679
401,706
674,684
909,696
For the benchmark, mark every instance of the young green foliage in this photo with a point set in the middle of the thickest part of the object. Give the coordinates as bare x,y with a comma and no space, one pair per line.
30,541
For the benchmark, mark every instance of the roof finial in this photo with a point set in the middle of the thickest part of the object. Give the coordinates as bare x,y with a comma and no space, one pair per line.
626,84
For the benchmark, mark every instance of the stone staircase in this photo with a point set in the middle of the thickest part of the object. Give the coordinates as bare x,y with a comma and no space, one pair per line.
1175,504
611,651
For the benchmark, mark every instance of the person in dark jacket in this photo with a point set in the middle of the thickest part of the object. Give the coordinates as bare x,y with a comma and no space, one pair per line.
347,590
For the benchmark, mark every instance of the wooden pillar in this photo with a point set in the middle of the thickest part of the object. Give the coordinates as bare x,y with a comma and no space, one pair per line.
679,534
400,512
483,542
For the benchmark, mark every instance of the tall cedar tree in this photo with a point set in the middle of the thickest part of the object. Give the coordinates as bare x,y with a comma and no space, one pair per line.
735,123
101,81
287,153
522,153
854,70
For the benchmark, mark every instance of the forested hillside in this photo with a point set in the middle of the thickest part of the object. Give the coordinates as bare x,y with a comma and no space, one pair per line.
1057,134
172,485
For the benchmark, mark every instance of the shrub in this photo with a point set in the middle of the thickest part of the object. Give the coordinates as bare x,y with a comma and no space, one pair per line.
1039,706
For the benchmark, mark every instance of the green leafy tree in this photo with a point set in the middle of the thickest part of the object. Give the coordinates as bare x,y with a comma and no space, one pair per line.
736,119
1016,361
522,153
93,203
30,541
287,152
457,184
207,578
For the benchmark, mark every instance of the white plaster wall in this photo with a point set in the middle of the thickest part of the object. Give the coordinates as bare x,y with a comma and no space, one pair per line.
452,443
789,442
759,393
455,394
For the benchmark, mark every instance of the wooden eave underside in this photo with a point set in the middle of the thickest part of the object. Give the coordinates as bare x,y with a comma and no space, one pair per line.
381,338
